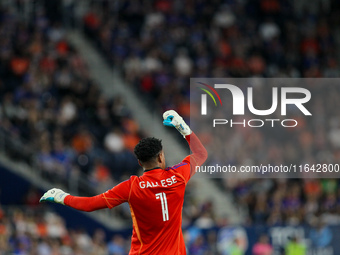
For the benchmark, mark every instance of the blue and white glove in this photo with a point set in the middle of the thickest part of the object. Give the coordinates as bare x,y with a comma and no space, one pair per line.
173,119
55,196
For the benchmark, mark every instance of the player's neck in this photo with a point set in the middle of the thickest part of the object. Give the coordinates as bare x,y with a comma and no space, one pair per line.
151,166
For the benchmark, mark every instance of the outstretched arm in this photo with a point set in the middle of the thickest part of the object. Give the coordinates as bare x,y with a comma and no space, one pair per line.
111,198
87,204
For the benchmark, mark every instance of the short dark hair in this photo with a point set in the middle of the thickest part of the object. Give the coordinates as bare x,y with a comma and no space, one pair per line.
148,148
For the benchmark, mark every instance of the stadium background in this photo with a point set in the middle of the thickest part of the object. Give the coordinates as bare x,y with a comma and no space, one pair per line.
65,122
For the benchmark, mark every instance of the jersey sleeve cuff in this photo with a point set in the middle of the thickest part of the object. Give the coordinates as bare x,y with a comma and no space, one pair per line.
67,200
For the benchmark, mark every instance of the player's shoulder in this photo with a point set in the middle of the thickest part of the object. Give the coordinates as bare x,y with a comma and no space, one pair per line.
133,178
178,168
179,165
130,180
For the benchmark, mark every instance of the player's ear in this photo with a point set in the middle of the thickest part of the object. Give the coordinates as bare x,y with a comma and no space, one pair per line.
140,163
160,157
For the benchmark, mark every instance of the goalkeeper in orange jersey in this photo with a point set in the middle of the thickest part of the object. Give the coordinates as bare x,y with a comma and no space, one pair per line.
155,198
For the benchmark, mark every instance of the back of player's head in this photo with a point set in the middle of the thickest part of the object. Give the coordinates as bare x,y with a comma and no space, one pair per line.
148,149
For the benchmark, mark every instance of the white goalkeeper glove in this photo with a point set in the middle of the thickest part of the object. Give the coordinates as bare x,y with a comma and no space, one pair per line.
55,196
173,119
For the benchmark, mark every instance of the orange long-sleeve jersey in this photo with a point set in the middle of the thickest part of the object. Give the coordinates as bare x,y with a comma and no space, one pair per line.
156,201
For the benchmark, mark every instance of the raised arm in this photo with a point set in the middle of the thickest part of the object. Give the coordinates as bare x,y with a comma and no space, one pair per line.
199,153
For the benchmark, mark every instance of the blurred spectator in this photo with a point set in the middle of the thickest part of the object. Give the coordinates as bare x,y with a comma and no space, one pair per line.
114,141
235,248
82,142
198,246
32,198
116,245
321,235
101,177
295,247
262,247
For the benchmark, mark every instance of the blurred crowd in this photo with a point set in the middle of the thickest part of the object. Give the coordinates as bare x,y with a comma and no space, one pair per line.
49,102
159,45
42,232
281,202
35,229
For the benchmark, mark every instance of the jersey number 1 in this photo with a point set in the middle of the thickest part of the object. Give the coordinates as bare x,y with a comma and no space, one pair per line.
164,203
